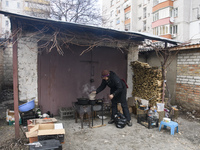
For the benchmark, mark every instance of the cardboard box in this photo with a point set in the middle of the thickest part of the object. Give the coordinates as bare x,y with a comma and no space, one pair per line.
130,109
131,101
140,112
46,130
32,122
161,115
134,108
119,108
10,117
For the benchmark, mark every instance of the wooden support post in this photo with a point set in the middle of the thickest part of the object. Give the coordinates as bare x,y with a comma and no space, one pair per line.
15,78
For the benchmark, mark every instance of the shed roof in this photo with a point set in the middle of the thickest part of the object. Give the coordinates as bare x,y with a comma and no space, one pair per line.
186,47
83,29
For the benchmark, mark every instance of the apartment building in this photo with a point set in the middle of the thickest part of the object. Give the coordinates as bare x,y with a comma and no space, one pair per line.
174,19
14,6
37,8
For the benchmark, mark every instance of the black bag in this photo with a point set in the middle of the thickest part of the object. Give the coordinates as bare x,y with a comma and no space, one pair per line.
120,120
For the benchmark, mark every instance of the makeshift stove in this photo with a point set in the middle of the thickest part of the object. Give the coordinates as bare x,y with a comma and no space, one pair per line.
81,110
86,106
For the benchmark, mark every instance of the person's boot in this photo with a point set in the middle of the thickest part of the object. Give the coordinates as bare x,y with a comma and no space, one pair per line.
111,121
129,123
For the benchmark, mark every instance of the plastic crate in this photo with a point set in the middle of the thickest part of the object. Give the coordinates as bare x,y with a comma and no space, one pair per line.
25,118
66,112
12,122
59,137
146,121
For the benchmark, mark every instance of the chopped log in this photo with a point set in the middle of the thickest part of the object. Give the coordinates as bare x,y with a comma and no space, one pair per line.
147,82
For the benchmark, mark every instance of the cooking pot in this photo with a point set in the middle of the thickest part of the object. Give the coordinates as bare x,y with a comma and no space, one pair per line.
83,101
92,96
92,102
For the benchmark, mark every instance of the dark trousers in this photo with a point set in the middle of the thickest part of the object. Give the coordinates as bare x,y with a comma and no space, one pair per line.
120,98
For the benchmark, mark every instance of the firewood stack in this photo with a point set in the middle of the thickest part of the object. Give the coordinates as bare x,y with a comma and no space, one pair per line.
147,82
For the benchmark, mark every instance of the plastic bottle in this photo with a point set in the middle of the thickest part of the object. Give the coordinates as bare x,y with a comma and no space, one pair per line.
150,113
156,115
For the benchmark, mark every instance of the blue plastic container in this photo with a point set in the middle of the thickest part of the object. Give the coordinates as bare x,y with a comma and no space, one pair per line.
27,106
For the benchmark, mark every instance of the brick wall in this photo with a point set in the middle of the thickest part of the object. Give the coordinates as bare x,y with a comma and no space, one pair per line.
27,69
188,79
8,66
1,68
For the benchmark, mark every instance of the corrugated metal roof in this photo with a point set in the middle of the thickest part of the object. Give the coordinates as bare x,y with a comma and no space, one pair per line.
185,47
86,29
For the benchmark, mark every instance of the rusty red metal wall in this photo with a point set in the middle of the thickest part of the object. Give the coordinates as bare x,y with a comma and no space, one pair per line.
61,79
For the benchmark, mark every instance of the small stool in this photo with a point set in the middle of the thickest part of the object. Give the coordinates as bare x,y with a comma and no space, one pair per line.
170,124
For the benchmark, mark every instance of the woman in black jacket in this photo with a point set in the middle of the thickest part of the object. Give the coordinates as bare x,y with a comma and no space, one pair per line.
117,93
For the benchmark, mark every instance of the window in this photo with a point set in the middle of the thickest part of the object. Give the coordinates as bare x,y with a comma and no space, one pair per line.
161,30
7,3
175,12
7,23
174,29
199,27
18,5
155,31
144,2
127,16
139,18
127,27
144,12
166,30
144,26
111,24
161,14
118,21
27,4
160,1
111,3
156,2
118,10
164,13
111,13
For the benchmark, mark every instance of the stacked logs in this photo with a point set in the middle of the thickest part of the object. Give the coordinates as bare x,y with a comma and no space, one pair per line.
147,82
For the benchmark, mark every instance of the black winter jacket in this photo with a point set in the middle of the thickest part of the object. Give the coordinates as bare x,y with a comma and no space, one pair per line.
114,82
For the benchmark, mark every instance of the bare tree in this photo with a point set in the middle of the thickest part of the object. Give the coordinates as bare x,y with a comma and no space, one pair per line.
165,56
77,11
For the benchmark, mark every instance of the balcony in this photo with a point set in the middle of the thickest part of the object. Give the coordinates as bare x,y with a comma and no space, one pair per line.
126,4
161,22
162,5
44,2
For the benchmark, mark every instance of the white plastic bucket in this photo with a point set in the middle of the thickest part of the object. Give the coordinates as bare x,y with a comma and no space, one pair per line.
166,119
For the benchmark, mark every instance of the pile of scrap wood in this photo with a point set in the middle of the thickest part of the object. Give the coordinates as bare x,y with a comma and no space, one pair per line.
147,82
45,129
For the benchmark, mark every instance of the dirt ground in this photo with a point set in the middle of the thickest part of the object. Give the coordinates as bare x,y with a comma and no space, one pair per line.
109,137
